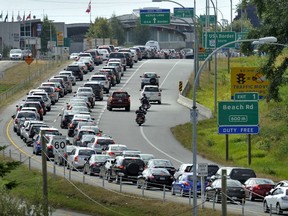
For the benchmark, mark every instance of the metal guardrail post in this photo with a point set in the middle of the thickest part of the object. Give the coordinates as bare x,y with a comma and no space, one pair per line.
164,192
190,196
54,171
29,163
120,184
103,180
83,178
70,174
10,153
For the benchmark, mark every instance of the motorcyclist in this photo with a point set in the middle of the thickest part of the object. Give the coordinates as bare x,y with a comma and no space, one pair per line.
144,99
140,111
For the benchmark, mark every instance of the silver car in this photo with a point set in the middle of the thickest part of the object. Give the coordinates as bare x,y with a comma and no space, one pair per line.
103,80
70,74
76,159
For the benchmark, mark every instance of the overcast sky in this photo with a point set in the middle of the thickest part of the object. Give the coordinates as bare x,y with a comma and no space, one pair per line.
73,11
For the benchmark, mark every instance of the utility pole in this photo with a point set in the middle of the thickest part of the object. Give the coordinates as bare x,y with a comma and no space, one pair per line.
44,174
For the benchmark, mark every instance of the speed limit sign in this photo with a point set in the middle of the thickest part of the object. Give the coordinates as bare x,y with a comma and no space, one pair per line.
59,144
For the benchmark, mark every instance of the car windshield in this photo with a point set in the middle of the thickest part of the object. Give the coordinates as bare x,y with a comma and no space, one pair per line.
149,75
133,160
231,183
160,172
98,78
118,148
52,132
105,141
147,157
264,181
26,115
100,158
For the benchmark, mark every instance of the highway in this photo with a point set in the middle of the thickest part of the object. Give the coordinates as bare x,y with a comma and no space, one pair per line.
153,137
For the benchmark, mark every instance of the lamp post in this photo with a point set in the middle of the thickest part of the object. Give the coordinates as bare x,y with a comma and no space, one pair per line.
194,106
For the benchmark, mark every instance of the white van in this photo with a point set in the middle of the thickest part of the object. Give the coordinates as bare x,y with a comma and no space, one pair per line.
153,44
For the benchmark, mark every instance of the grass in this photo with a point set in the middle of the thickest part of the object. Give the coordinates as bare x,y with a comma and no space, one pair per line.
269,147
63,195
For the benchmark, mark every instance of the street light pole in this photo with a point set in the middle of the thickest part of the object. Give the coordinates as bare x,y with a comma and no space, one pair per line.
194,105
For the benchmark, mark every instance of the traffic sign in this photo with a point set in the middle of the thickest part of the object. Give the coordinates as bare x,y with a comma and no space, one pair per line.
241,35
180,86
208,39
238,129
60,38
155,17
29,59
204,55
248,79
184,12
246,96
212,19
202,169
59,144
233,113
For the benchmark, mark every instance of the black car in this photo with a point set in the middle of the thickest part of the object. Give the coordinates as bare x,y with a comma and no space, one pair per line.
66,118
76,70
127,167
162,163
93,164
235,191
97,89
155,177
237,173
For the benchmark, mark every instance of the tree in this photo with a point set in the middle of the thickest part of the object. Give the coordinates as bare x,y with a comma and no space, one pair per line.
101,28
274,22
141,34
48,31
117,29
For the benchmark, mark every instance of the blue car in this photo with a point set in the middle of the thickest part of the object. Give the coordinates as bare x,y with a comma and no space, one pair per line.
184,183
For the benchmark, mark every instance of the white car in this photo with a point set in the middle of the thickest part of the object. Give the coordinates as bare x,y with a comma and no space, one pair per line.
78,156
73,56
152,92
149,78
70,74
104,53
15,54
103,80
277,199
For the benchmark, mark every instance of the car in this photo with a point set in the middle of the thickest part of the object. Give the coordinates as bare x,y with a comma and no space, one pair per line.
138,52
162,163
56,85
62,85
26,127
36,98
258,188
46,99
70,75
121,56
37,141
73,56
184,168
34,109
20,118
183,184
116,72
1,56
99,143
126,167
77,71
277,200
104,53
15,54
26,53
36,104
146,157
153,93
88,61
115,149
235,191
131,153
78,136
149,78
73,125
87,94
62,159
76,159
129,59
154,177
117,64
119,99
67,81
97,57
111,75
238,173
52,93
93,164
103,80
97,89
283,183
33,132
66,118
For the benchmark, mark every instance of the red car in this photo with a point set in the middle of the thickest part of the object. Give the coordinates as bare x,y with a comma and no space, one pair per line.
257,188
119,99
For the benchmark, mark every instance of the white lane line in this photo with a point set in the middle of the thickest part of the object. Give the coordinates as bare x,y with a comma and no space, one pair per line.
151,144
104,107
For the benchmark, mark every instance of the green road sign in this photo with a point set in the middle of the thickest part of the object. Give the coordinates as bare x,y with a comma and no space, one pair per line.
155,17
241,35
203,56
212,19
250,96
184,12
233,113
208,39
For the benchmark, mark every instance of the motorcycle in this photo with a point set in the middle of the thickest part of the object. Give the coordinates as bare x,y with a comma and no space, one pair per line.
145,104
140,119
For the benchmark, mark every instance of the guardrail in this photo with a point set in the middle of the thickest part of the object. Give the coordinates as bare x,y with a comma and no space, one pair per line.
203,111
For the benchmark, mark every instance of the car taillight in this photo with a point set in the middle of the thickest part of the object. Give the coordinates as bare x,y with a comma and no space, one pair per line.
186,183
40,111
50,147
52,94
95,164
121,167
76,158
151,177
71,125
257,187
111,153
65,155
78,138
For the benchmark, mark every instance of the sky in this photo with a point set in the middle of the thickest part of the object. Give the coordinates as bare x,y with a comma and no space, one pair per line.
74,11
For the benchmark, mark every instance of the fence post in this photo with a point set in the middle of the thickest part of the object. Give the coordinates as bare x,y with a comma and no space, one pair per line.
164,190
10,153
29,163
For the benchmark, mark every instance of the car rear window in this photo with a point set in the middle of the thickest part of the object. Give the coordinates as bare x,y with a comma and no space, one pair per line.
116,55
151,89
120,94
242,173
86,152
132,160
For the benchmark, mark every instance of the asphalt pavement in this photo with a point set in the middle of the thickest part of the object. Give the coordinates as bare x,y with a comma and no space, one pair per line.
62,212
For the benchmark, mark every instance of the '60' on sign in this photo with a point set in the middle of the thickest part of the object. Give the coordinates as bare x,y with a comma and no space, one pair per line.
59,145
